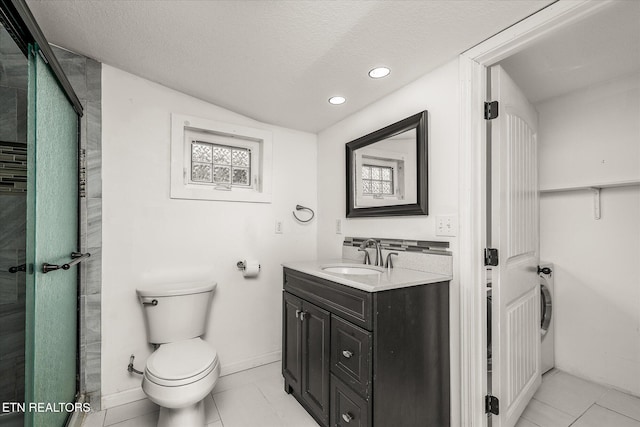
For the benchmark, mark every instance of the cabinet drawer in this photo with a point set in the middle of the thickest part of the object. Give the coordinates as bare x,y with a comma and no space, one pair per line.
347,408
351,304
351,355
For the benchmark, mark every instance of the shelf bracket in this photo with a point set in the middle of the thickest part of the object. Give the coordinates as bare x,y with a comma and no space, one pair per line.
596,202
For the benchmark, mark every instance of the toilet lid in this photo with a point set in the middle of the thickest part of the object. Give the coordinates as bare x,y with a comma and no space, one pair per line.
181,360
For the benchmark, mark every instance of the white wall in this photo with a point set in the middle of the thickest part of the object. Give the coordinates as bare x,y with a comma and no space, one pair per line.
437,92
150,238
591,136
588,137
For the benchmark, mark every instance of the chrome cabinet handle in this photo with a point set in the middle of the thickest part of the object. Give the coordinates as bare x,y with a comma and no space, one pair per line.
347,354
298,313
302,316
347,417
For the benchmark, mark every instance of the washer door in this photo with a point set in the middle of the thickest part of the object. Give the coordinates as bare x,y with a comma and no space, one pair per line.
545,309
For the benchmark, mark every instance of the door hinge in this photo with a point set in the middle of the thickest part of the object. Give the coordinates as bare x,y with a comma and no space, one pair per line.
490,110
491,405
490,257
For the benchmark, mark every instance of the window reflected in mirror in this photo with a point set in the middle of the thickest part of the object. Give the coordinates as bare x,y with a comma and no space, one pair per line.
387,170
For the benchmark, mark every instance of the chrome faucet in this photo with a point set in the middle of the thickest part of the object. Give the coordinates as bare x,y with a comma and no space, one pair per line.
390,260
367,258
379,261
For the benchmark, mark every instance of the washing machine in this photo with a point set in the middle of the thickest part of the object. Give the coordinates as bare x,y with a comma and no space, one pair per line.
545,271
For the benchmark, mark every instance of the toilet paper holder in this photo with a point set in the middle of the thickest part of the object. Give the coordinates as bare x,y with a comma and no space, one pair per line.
241,266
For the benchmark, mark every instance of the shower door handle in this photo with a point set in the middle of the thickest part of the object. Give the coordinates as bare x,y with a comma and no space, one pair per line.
76,257
15,269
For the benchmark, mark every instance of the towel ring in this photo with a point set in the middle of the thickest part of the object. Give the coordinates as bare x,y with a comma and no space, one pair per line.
303,208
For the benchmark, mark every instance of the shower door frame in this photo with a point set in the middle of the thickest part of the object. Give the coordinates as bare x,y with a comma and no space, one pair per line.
21,25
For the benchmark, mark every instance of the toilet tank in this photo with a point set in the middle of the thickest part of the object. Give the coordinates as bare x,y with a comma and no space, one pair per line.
175,312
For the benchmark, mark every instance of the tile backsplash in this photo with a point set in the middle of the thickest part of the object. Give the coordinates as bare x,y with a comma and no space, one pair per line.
421,255
13,167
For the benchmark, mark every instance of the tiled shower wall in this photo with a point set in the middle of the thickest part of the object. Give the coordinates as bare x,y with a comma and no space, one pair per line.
85,75
13,214
13,166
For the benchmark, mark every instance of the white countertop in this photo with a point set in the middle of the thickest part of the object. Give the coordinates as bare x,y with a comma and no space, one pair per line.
394,278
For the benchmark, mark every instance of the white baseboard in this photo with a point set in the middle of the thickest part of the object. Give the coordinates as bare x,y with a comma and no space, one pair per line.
122,397
77,417
243,365
131,395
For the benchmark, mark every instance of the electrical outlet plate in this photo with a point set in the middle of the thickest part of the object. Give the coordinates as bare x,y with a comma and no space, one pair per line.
338,226
446,225
278,227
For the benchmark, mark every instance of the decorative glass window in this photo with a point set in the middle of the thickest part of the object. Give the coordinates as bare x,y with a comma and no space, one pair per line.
377,180
220,164
220,161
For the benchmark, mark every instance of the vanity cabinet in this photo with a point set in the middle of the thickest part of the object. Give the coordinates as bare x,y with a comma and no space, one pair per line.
305,361
367,359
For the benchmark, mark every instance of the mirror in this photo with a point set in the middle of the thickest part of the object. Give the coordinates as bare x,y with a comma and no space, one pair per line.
387,170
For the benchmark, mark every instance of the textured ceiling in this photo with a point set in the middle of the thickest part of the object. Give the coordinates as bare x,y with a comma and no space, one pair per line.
277,61
600,47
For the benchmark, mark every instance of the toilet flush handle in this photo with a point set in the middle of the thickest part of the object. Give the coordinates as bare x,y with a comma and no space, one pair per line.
152,302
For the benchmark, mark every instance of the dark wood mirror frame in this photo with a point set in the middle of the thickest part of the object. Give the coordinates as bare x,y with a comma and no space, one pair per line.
417,122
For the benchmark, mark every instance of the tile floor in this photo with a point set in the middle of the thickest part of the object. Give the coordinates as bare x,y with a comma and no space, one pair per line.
252,398
564,400
256,398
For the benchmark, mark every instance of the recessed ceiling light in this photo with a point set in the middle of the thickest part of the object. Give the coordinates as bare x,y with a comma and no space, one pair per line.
337,100
379,72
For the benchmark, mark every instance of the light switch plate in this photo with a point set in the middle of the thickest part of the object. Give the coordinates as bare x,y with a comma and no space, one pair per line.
446,225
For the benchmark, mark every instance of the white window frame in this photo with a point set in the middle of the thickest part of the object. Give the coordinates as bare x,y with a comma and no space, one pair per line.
374,157
186,129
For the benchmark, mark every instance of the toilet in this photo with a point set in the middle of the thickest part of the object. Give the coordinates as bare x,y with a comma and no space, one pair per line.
184,368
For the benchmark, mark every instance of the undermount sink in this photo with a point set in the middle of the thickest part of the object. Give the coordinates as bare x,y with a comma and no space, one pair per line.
352,269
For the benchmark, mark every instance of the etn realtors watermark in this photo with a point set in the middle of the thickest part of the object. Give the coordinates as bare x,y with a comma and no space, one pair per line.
45,407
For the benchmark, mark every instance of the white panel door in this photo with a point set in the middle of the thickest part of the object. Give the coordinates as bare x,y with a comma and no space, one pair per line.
516,373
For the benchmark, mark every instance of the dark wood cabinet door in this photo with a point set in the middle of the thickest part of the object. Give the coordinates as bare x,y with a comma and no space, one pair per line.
291,343
351,354
348,408
316,355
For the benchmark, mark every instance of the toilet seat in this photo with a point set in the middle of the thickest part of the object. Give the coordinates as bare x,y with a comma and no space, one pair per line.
180,363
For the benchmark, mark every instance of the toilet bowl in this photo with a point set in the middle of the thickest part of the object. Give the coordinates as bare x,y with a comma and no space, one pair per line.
184,368
177,377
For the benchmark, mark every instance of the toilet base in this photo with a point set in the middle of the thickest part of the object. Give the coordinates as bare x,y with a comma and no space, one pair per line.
191,416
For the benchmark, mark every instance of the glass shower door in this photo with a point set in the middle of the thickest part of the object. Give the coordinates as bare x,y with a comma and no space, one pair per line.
52,235
13,214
